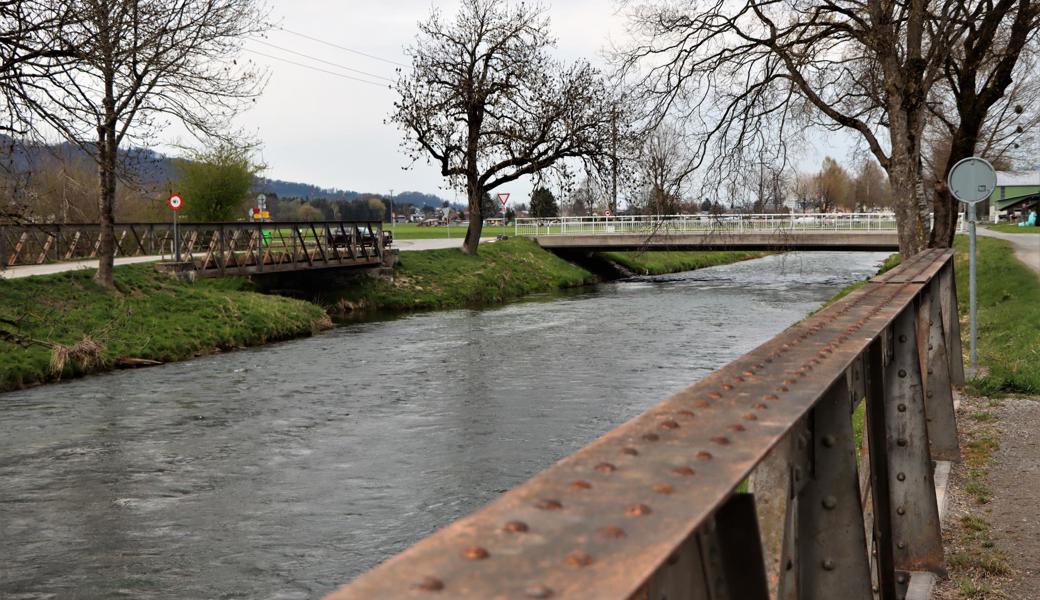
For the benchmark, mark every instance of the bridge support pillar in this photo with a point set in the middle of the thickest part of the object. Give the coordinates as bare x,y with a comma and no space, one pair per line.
183,271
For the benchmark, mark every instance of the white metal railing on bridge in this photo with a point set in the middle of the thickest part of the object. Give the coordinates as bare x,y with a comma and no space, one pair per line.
669,224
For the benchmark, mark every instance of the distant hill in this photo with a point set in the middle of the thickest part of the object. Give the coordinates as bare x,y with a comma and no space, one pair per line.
154,168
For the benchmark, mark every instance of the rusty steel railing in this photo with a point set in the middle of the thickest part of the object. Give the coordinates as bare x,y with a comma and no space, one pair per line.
748,485
215,248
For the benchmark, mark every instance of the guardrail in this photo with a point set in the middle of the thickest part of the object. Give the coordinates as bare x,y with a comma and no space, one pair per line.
669,224
657,508
216,248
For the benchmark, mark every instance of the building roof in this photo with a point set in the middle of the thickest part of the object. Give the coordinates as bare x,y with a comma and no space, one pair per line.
1018,178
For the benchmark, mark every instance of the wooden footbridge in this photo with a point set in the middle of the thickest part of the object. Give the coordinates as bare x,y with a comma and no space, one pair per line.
749,485
211,249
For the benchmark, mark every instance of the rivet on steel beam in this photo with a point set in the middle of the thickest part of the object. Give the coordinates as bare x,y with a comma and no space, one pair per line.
759,367
630,451
901,545
931,393
669,424
901,578
720,440
901,477
702,403
651,437
637,510
750,417
611,532
538,591
726,387
430,584
673,559
475,553
736,427
929,370
760,406
581,484
931,347
901,511
790,382
748,373
797,473
803,441
902,339
770,397
515,527
714,395
901,442
689,414
578,559
702,455
902,372
663,488
684,470
827,564
901,408
828,441
830,502
605,467
548,504
782,389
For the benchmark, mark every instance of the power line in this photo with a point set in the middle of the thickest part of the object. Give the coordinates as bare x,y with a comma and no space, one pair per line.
321,60
344,48
319,69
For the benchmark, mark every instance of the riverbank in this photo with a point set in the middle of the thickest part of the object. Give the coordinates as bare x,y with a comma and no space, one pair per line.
500,272
64,325
59,326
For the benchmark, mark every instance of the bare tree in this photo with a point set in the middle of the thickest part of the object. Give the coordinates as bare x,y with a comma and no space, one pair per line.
750,70
487,104
665,166
139,65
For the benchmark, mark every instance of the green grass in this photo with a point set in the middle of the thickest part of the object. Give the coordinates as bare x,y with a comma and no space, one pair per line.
1013,228
1008,318
412,231
450,278
659,263
151,316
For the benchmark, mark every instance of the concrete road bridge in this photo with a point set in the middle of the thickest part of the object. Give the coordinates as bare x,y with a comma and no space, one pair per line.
207,249
854,231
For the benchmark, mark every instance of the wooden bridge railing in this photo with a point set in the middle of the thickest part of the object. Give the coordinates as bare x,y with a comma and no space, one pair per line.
749,485
216,248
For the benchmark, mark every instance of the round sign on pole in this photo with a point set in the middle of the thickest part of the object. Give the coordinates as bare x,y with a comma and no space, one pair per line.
175,202
972,180
607,213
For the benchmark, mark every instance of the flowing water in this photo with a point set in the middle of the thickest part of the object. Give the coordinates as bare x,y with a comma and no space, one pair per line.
283,471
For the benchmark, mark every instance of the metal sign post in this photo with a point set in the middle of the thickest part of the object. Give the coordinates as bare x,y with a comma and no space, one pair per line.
176,203
503,198
971,181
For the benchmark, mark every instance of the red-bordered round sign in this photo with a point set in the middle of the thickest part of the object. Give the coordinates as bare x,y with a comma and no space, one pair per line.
607,213
175,202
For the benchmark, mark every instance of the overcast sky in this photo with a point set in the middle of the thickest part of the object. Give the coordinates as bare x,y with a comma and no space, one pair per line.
328,130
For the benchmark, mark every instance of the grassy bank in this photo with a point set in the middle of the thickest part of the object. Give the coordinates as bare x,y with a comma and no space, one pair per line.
659,263
1012,228
1008,317
450,278
412,231
64,325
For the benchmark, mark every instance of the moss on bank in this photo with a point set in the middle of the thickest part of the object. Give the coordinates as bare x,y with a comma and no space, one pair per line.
150,317
1008,317
659,263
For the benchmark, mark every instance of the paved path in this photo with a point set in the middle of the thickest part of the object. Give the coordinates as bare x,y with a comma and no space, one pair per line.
1027,245
50,269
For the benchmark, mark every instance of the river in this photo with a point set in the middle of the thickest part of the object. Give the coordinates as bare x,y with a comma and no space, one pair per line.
283,471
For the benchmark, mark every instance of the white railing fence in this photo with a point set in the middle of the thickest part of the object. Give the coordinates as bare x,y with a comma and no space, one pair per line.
667,224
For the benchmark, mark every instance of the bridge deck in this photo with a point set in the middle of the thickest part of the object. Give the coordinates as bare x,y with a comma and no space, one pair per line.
725,240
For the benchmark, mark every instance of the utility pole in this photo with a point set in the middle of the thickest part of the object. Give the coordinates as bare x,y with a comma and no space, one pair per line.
613,154
393,217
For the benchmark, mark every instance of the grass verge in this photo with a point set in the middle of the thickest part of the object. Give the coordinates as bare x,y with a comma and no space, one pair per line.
65,325
1013,228
659,263
1008,318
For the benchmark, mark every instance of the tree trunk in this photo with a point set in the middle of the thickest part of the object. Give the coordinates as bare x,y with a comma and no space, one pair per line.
476,218
904,173
945,207
107,151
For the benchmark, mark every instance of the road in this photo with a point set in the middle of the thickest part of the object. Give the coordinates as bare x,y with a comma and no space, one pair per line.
1027,245
50,269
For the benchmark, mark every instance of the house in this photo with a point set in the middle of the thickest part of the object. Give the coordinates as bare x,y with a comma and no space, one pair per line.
1016,193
